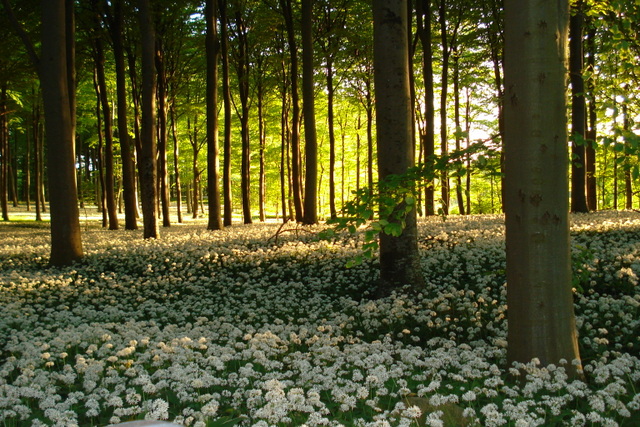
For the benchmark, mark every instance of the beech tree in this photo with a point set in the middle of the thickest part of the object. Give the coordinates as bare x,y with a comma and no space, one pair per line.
399,257
541,316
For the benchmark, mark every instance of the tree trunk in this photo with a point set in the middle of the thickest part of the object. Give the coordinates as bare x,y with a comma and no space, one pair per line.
308,94
147,163
109,177
226,95
590,151
399,256
242,71
176,162
262,135
541,315
213,169
423,22
128,166
444,143
162,135
4,154
578,112
58,87
296,164
456,108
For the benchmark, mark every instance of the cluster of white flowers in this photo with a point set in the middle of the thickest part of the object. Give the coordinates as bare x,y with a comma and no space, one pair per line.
203,326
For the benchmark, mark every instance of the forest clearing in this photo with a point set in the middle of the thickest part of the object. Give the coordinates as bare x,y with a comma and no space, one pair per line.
230,327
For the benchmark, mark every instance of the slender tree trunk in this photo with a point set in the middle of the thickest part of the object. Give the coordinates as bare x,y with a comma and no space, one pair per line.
541,315
226,94
399,256
590,151
213,162
162,133
308,94
456,109
262,135
242,72
628,190
176,163
147,163
578,112
423,21
4,153
444,142
101,89
128,166
37,160
296,163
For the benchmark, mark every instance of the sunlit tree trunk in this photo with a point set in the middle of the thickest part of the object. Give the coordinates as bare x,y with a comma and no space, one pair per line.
541,315
213,172
176,162
147,163
399,256
226,96
308,94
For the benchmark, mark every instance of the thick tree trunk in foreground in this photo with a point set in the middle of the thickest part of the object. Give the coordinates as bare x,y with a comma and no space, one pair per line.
66,244
541,315
399,257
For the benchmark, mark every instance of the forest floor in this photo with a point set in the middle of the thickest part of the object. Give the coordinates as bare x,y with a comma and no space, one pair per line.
236,327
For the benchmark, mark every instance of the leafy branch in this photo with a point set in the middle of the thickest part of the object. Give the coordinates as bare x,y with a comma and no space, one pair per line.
384,208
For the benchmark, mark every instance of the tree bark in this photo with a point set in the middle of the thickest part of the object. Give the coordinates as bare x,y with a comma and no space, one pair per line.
4,154
162,132
57,87
147,163
128,165
101,88
592,115
296,164
213,170
541,314
308,94
578,112
399,256
226,95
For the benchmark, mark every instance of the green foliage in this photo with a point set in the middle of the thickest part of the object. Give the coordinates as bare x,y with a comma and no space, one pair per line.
384,208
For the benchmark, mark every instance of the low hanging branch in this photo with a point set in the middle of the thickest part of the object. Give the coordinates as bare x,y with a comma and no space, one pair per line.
384,207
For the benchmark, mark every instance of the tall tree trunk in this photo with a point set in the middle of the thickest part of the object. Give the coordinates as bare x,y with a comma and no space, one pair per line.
541,314
456,108
4,153
308,96
37,161
578,112
628,191
101,89
162,135
399,256
128,166
592,115
262,135
242,72
296,163
58,91
147,163
226,95
423,22
444,142
102,206
176,162
213,162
